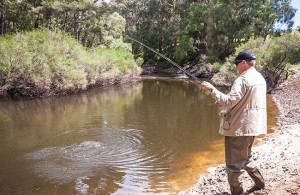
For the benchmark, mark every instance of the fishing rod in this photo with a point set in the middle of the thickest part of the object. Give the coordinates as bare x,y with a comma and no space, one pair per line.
168,59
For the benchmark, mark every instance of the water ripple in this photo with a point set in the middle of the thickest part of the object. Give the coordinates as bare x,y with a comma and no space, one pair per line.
124,150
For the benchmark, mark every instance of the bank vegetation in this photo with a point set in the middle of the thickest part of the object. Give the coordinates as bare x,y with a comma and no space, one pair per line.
277,57
50,47
43,63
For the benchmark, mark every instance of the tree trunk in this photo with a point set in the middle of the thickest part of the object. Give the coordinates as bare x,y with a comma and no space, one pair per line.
2,17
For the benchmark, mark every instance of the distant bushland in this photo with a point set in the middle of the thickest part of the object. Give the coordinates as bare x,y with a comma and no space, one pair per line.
42,63
277,58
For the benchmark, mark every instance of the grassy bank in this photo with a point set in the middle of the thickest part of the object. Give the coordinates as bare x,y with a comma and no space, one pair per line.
295,67
44,63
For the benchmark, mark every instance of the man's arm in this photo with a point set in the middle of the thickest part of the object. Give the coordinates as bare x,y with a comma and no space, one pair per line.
236,93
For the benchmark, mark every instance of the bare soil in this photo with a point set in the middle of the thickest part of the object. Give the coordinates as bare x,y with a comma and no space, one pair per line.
277,154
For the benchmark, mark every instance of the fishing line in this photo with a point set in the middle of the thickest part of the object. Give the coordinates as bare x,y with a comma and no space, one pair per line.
166,58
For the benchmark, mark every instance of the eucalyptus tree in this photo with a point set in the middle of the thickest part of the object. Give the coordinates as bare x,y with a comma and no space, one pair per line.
80,18
187,29
92,22
154,22
2,17
15,16
181,29
272,16
217,27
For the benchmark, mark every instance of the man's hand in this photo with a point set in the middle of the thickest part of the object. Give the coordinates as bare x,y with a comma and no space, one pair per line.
207,86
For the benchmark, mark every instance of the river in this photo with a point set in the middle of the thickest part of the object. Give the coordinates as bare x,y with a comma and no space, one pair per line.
153,137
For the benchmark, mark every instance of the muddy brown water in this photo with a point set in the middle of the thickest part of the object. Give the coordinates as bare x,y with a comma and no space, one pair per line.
157,136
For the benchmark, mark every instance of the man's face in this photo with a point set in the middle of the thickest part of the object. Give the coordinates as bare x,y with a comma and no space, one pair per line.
241,66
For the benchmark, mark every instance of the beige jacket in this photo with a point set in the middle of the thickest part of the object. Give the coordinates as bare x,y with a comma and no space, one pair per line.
245,112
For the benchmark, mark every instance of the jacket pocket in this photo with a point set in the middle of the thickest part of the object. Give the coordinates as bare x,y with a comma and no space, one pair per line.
224,123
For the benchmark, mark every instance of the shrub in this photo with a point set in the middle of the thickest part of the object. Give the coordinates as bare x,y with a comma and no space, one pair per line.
275,57
43,63
225,76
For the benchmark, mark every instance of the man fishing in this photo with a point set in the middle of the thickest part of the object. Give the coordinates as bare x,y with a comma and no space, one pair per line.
244,117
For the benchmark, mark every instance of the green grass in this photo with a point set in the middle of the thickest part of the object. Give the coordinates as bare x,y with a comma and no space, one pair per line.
42,62
295,66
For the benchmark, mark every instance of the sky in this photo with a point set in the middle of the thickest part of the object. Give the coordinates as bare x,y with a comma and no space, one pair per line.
296,4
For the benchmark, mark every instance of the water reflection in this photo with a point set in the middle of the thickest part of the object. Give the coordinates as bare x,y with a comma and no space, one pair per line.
65,140
153,137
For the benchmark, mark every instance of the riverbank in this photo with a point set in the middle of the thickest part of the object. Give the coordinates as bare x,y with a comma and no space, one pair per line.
44,63
277,154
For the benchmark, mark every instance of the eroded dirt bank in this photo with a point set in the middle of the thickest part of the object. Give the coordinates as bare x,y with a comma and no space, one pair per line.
277,155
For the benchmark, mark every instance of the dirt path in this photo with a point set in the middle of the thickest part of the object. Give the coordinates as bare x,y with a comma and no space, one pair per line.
277,155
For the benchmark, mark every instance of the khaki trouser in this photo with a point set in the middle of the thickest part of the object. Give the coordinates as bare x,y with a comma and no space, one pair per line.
238,158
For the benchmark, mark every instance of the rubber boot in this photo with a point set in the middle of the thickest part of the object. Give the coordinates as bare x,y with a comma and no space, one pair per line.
234,183
256,176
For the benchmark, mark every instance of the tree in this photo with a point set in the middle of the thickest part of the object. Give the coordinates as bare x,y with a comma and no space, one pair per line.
217,27
275,56
93,23
192,35
154,22
181,29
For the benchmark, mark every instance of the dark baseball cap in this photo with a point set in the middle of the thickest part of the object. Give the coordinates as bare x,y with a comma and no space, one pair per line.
244,55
